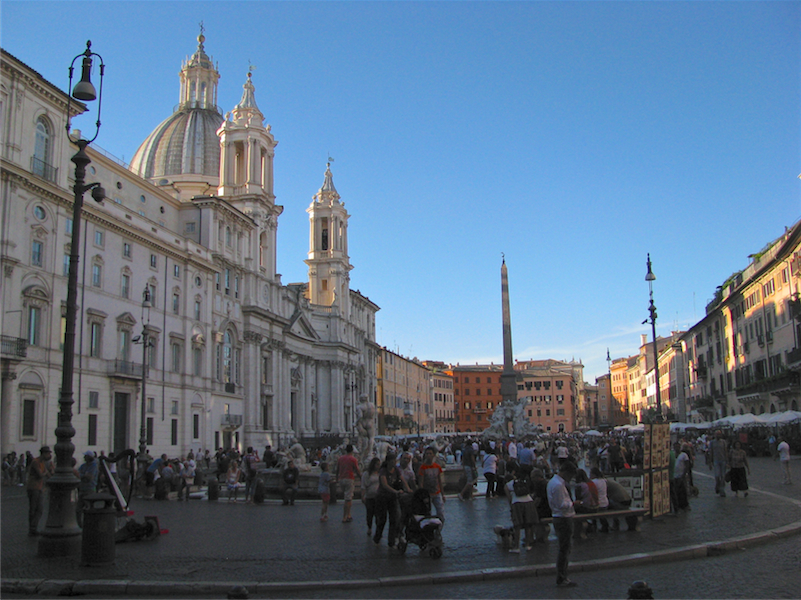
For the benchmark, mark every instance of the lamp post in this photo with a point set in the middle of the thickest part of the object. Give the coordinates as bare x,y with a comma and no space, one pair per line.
650,278
61,535
141,458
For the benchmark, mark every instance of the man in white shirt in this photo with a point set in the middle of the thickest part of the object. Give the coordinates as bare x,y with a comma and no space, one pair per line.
784,459
562,510
511,449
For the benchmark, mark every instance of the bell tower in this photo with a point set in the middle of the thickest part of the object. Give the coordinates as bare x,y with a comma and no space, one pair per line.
329,264
247,151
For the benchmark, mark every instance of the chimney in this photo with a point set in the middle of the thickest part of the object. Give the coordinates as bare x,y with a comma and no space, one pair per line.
643,339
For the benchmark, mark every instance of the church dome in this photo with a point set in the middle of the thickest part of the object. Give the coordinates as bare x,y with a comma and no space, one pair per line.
186,143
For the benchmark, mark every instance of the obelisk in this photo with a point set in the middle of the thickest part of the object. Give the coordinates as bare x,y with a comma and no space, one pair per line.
508,377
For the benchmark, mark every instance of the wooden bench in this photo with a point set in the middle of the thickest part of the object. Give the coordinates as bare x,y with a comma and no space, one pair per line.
633,517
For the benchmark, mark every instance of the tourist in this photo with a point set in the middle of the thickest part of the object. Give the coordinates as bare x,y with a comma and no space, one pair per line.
187,475
347,471
386,505
370,484
407,470
738,462
539,492
719,451
88,474
599,481
40,470
562,509
431,478
522,507
290,477
784,459
232,478
249,468
490,467
680,470
324,489
468,467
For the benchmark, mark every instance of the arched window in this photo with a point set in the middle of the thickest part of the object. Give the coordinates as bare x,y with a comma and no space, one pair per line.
227,357
41,150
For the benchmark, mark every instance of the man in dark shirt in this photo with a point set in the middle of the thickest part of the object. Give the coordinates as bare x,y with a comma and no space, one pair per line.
469,467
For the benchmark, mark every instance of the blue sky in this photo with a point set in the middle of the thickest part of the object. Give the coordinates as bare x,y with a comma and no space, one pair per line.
573,137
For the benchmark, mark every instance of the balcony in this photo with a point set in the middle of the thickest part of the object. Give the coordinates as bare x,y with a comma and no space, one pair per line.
705,402
794,357
41,169
13,347
780,383
701,371
231,421
125,369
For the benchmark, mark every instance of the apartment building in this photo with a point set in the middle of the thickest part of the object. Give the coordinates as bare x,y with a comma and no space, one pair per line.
405,395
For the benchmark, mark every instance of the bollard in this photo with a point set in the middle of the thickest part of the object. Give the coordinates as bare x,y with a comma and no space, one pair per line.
238,592
640,590
214,489
99,529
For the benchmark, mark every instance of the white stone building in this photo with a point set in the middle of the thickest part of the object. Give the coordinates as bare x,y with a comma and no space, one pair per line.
237,358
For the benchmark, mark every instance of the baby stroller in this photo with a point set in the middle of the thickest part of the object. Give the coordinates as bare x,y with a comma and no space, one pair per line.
418,526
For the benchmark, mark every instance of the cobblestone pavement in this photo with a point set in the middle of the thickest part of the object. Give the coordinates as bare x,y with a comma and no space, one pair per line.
239,543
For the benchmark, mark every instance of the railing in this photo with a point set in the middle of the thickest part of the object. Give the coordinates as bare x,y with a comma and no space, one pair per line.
41,169
12,346
126,368
231,421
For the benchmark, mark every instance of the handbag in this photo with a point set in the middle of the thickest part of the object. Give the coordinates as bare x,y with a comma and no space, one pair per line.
727,476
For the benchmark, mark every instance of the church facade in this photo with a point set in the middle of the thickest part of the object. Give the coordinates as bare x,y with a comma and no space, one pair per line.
235,357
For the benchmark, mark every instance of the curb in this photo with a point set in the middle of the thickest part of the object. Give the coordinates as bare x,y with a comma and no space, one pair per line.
61,587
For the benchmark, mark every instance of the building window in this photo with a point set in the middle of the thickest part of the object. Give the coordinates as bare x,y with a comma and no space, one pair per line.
97,274
176,270
94,399
176,303
154,261
92,437
174,432
228,237
36,253
126,250
174,407
175,355
190,227
150,431
547,412
125,345
197,310
41,151
34,325
560,412
228,282
151,405
66,262
126,286
28,418
197,361
68,226
195,427
99,237
217,281
95,339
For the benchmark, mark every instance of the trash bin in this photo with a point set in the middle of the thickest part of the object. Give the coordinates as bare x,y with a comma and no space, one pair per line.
99,528
259,491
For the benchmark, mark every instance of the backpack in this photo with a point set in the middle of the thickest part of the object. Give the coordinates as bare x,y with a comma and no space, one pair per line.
521,487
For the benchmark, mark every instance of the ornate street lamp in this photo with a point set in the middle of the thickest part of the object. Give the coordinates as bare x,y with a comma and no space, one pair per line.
141,458
61,535
650,278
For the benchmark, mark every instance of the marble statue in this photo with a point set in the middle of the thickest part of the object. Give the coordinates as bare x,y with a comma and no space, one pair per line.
365,428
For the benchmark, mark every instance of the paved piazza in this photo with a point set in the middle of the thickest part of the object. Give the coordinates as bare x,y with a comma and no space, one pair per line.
211,545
